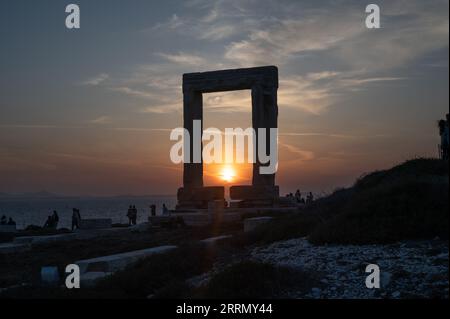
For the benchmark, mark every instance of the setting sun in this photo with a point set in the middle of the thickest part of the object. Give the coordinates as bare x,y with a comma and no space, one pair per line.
227,174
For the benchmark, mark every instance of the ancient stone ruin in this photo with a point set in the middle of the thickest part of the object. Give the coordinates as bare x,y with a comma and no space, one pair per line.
263,83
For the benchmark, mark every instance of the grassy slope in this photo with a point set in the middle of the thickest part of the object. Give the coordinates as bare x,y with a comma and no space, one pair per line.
409,201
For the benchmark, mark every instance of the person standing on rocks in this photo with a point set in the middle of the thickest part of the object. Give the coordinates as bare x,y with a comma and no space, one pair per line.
134,215
130,215
445,138
153,210
55,220
165,210
76,219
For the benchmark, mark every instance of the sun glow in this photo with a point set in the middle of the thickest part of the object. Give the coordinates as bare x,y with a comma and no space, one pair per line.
227,174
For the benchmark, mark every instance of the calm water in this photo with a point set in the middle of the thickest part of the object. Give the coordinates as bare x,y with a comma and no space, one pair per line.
35,211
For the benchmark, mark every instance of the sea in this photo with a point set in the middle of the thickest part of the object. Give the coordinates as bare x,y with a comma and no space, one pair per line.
34,211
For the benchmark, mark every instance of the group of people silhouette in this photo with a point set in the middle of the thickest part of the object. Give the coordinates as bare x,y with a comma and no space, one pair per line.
7,221
132,213
52,221
299,199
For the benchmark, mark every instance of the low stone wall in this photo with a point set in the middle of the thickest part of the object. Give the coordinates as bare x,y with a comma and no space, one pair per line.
113,263
95,223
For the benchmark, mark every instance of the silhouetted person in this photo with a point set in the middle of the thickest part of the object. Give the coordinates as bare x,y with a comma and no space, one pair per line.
3,220
134,215
130,214
165,211
445,139
76,219
11,222
153,210
49,222
298,196
309,198
55,219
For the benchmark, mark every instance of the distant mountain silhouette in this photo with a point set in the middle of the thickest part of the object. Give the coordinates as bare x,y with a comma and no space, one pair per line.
41,194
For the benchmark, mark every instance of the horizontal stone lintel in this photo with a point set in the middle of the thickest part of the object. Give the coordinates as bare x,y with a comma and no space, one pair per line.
230,80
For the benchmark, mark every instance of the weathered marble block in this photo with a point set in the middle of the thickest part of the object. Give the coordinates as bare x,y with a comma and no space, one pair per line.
251,223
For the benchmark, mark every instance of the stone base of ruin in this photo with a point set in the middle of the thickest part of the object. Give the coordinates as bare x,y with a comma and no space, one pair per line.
255,196
198,198
254,192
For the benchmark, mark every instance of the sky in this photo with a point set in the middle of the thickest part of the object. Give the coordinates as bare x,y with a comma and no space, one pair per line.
89,111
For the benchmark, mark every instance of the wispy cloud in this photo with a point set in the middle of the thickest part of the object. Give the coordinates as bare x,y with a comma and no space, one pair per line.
104,119
96,80
183,58
291,36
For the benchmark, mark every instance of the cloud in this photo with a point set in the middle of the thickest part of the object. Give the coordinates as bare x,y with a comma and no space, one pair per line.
298,155
183,58
323,51
101,120
96,80
134,92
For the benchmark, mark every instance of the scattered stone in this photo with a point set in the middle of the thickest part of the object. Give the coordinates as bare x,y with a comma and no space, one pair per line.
406,268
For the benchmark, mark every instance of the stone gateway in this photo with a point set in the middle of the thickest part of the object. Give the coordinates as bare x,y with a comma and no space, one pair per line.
263,83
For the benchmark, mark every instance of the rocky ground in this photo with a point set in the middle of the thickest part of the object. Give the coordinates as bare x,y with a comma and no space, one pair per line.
409,269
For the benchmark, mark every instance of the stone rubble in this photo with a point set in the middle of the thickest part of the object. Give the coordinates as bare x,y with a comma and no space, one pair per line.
409,269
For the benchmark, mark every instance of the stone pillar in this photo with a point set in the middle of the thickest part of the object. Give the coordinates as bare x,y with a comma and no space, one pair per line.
264,115
193,110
